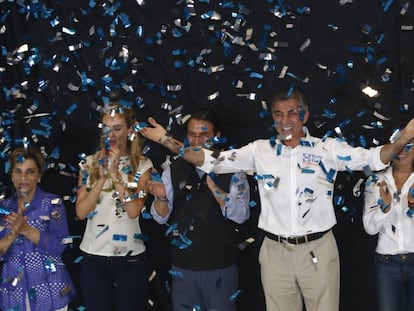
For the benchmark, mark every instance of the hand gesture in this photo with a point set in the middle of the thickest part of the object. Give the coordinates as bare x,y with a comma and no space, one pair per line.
17,223
155,133
113,161
157,189
102,163
385,195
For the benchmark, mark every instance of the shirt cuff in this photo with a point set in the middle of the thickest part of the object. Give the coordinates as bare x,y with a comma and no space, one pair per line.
376,160
208,161
159,219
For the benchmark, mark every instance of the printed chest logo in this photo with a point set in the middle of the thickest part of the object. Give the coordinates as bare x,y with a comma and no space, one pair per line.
311,159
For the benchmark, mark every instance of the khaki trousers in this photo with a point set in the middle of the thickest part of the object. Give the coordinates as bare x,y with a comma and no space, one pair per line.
306,272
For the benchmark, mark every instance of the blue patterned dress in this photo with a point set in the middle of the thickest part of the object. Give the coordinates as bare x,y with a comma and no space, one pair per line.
36,271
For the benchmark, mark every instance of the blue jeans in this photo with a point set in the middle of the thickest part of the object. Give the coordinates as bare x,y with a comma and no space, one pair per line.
395,282
114,283
209,289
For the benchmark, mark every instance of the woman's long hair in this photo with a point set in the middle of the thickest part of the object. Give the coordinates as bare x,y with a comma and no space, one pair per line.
134,144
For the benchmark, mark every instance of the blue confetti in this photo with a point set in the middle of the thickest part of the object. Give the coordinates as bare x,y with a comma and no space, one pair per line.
272,141
178,274
328,114
50,266
279,149
4,211
339,200
142,237
146,215
307,171
104,229
345,158
386,5
91,214
171,228
235,295
307,143
32,294
120,237
71,108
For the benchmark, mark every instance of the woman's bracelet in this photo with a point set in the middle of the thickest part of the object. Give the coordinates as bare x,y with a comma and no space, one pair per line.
134,196
118,181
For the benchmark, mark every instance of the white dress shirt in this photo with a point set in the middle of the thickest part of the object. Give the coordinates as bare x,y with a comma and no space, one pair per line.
395,228
295,184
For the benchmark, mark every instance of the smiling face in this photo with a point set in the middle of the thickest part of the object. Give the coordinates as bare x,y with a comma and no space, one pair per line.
25,176
289,118
199,132
117,131
405,159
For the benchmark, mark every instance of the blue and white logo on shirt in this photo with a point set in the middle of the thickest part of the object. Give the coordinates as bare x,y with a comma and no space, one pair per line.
311,159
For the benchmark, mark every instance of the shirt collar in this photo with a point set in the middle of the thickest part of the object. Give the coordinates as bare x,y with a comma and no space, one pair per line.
306,141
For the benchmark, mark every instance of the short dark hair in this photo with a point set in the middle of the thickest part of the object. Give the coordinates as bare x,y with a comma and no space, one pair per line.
27,153
206,115
289,94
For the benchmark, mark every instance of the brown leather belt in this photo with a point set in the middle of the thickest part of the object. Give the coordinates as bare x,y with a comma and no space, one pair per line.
296,239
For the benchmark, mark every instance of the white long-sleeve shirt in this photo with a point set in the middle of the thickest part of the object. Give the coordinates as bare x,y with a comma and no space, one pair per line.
395,228
295,184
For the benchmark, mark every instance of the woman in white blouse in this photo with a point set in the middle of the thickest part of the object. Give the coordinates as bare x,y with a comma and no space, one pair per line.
111,194
388,211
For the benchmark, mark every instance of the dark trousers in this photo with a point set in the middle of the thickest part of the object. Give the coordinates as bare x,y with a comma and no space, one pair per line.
395,282
205,290
114,283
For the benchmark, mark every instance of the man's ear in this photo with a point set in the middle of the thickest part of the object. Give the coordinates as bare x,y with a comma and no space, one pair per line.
305,116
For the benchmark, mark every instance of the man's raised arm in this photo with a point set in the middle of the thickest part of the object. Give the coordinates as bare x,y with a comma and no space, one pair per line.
159,134
390,151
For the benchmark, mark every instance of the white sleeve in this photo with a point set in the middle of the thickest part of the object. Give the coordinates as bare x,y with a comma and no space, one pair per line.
229,161
373,217
356,158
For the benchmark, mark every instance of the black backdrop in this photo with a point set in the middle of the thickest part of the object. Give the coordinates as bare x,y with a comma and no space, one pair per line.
60,60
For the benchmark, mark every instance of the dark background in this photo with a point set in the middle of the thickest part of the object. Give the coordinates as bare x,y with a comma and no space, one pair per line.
60,61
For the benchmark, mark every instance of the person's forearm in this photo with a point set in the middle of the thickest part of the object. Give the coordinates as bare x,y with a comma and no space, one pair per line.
161,206
195,157
390,151
219,194
86,202
134,207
